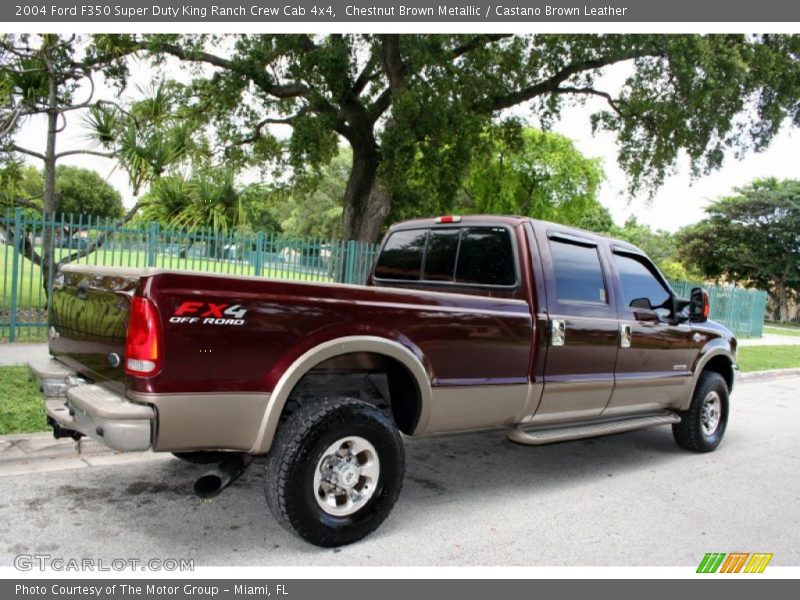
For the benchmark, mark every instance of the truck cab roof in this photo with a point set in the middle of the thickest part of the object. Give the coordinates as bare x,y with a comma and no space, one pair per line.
514,221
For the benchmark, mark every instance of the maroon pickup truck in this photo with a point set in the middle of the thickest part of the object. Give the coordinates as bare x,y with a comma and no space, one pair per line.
465,324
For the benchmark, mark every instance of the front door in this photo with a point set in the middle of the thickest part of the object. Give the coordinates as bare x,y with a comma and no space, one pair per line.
583,330
654,363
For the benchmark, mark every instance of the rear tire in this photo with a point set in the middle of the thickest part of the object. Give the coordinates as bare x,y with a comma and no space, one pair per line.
335,471
702,426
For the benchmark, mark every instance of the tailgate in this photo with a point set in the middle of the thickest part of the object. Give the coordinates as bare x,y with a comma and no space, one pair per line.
88,318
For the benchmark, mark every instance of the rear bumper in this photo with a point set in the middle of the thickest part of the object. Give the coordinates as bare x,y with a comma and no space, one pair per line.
110,419
75,408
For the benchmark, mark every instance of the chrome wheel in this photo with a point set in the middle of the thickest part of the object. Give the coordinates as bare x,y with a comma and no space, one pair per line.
346,476
711,413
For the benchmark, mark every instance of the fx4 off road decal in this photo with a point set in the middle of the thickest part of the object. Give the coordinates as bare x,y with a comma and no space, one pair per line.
209,313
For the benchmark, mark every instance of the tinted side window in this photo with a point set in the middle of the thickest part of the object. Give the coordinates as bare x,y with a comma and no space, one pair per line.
486,257
579,275
401,257
638,281
440,257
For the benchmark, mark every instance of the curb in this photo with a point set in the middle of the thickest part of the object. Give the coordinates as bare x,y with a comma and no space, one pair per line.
39,452
770,374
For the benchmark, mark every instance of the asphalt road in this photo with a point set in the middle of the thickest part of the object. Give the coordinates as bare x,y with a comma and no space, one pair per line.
629,499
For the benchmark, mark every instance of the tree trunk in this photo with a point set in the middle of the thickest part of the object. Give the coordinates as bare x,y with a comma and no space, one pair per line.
50,198
783,302
367,203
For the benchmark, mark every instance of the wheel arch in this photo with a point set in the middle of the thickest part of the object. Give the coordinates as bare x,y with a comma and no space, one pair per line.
411,363
717,358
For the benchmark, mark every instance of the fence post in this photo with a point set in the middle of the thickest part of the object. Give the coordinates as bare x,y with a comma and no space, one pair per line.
350,270
760,303
750,311
258,264
731,311
12,321
152,244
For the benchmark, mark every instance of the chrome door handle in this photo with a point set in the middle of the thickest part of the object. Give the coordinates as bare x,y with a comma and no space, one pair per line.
624,335
558,332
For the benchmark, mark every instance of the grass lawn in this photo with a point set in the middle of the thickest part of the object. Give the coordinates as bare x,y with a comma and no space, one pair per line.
21,402
762,358
779,324
793,331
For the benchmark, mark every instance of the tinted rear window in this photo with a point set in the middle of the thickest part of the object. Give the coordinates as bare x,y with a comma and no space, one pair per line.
440,257
468,256
579,275
485,257
401,257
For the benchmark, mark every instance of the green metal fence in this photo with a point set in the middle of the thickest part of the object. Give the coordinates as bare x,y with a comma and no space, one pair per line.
740,309
23,303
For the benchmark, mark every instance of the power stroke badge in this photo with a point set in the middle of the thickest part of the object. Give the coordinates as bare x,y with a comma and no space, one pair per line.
209,313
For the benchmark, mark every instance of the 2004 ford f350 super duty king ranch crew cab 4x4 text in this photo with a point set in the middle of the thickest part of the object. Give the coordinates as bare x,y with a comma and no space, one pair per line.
465,324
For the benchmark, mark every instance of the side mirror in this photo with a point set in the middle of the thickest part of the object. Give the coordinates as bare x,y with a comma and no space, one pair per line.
699,305
641,303
643,310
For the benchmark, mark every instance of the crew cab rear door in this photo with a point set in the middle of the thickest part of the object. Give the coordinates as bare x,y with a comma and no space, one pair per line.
583,328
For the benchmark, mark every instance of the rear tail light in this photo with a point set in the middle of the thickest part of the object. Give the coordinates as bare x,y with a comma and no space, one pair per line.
143,342
448,219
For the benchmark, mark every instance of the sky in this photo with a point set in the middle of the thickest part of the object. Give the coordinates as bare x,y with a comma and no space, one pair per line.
679,202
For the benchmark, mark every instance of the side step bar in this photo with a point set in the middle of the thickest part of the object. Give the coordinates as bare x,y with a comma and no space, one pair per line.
539,436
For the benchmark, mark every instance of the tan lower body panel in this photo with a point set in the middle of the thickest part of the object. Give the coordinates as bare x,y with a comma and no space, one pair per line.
564,401
475,407
203,421
648,394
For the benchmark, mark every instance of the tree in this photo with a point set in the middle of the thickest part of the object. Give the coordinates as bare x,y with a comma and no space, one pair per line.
660,245
752,238
396,99
78,192
84,192
213,203
148,138
313,206
41,75
538,174
208,200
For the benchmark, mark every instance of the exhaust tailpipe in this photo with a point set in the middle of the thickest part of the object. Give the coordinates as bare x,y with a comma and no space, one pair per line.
225,473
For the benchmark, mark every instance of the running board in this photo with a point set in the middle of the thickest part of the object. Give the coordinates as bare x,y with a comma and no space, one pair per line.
538,437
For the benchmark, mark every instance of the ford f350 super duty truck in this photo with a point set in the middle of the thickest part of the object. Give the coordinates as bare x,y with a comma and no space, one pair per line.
465,324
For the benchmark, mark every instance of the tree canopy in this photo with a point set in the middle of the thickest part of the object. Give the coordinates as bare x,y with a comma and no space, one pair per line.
51,76
78,192
538,174
405,101
209,199
752,238
660,245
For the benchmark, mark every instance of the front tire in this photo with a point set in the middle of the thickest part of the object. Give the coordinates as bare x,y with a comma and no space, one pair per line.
703,425
335,471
